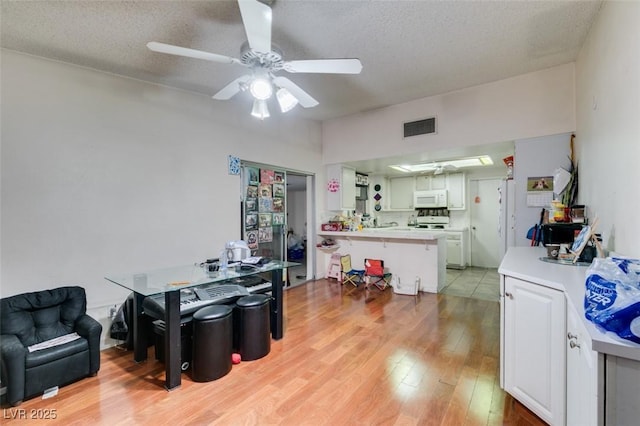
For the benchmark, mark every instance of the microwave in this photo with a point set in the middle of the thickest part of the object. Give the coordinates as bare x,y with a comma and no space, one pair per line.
430,199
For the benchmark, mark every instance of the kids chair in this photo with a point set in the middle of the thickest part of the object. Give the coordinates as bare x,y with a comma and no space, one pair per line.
350,275
375,274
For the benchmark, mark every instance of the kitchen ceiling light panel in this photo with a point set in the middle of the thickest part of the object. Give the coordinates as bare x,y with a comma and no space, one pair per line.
483,160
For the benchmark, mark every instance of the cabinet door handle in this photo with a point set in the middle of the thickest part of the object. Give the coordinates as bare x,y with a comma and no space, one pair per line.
573,344
570,336
509,295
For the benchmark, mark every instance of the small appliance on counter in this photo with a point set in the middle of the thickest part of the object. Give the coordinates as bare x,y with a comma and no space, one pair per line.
236,251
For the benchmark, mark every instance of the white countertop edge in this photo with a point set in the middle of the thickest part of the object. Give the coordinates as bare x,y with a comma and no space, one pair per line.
387,235
519,263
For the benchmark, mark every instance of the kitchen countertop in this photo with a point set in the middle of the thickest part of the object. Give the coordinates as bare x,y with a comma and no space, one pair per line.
395,232
524,263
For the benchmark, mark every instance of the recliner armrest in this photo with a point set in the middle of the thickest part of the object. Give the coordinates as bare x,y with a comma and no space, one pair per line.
91,330
13,354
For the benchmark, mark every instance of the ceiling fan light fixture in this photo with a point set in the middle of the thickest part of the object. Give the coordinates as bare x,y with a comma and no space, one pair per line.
260,109
286,100
261,88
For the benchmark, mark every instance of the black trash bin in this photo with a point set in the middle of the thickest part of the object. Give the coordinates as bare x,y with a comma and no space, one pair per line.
212,343
252,326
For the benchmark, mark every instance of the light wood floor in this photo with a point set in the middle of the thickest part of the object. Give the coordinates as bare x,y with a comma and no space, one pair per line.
349,357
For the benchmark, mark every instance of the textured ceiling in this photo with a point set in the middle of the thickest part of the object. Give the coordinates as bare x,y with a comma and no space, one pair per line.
409,49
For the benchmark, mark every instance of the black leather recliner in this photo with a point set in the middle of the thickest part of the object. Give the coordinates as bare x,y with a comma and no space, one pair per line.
32,318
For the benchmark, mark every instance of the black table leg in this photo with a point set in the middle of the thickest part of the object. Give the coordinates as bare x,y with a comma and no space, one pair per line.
277,306
172,339
140,344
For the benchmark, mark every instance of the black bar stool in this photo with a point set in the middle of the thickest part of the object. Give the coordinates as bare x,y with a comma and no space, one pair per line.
252,326
212,343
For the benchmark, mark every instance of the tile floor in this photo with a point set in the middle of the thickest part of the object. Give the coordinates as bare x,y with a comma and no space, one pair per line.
479,283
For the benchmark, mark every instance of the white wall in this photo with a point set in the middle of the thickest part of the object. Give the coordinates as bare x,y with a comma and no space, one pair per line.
535,157
608,124
530,105
297,212
102,174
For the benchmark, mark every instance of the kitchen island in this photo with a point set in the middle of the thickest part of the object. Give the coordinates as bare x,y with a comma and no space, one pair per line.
413,256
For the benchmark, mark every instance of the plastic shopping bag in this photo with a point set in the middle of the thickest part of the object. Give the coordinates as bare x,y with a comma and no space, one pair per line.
612,296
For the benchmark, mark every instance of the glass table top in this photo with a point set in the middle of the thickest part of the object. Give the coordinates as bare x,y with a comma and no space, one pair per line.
179,277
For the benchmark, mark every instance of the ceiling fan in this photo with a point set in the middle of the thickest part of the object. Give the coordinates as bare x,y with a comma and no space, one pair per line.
263,60
444,168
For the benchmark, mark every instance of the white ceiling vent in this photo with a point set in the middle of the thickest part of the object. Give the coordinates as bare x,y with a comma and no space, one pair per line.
420,127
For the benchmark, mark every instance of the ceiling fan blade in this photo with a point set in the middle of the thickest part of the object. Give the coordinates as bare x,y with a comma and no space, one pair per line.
228,91
257,24
303,97
190,53
334,66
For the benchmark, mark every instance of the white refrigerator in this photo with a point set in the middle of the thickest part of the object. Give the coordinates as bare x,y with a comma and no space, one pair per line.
507,215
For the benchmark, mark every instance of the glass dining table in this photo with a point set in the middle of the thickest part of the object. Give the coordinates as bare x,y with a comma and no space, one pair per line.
169,281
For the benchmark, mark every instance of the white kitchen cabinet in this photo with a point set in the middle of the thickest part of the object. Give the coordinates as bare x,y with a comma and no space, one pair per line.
341,187
456,248
454,253
429,182
622,394
534,347
401,193
582,374
456,187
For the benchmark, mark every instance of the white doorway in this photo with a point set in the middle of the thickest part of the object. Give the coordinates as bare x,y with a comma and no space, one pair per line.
484,217
300,219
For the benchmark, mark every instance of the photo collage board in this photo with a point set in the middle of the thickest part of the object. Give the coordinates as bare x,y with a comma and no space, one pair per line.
264,205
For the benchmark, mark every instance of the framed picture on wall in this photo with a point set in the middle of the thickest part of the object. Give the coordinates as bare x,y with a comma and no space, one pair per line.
267,176
251,221
278,219
265,235
252,191
265,190
264,220
252,239
278,177
278,190
278,205
253,175
251,205
265,205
